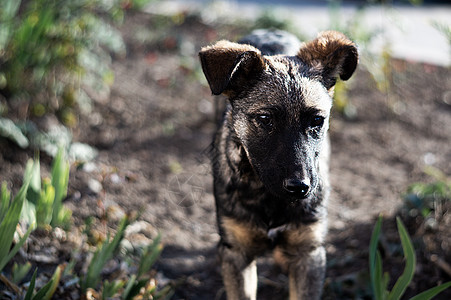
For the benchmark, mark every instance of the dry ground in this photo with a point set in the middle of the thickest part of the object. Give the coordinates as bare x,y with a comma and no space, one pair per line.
154,130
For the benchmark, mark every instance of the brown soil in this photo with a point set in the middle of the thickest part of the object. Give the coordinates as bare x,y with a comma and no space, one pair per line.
154,130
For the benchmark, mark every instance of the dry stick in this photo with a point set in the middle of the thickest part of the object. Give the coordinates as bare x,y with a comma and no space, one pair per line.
441,263
9,284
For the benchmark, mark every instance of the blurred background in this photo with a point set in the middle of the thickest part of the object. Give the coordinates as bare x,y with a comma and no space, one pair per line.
106,121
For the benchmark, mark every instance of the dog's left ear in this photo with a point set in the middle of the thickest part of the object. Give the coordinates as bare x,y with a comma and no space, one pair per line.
330,55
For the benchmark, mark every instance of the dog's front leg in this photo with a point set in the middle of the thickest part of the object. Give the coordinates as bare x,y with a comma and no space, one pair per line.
306,276
239,274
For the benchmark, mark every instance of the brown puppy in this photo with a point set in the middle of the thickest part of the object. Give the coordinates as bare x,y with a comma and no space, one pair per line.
270,158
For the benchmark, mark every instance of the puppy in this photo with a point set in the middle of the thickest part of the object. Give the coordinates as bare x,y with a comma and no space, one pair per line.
271,154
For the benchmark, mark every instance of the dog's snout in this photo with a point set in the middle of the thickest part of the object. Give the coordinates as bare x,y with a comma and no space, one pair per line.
296,187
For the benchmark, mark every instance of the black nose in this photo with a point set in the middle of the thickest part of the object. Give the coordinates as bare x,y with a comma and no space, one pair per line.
297,188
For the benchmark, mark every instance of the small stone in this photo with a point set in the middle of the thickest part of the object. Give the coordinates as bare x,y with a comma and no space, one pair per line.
141,227
89,167
95,186
115,212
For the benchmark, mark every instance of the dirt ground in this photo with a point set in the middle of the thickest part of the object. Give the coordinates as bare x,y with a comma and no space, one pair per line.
153,134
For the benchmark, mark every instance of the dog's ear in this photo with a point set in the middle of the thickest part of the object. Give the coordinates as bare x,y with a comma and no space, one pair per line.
230,66
330,55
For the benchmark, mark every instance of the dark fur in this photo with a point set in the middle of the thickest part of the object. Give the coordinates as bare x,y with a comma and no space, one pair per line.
270,158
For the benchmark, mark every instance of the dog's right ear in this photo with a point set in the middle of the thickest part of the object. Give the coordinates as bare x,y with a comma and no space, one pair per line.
230,67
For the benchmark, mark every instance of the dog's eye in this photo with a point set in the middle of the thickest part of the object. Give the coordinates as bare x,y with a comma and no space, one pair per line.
265,119
317,121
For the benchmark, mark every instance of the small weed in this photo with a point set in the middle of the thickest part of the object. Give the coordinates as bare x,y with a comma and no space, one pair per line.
36,201
380,280
43,204
11,212
429,201
50,53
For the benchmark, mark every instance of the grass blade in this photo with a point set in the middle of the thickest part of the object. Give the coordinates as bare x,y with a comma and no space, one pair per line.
5,198
9,223
111,288
41,293
60,180
33,169
375,264
429,294
29,293
44,207
54,283
409,253
150,255
102,255
128,287
9,9
19,244
379,283
19,271
9,130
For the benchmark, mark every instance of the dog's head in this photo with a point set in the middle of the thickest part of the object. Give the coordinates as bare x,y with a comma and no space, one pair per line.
280,105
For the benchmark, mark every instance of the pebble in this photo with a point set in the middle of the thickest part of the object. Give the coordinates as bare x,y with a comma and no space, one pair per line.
94,186
115,212
141,227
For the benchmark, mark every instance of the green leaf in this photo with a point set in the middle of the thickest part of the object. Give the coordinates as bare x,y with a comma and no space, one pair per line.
128,287
409,270
133,288
9,130
33,169
60,181
164,293
54,281
30,289
110,289
379,288
5,198
28,215
19,244
8,9
429,294
101,256
44,207
9,223
19,271
150,255
43,291
375,265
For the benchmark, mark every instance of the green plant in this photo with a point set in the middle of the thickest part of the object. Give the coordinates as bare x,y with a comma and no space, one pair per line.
10,213
47,291
9,219
139,284
9,130
425,198
47,37
50,53
139,281
380,280
19,271
43,204
60,181
103,253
